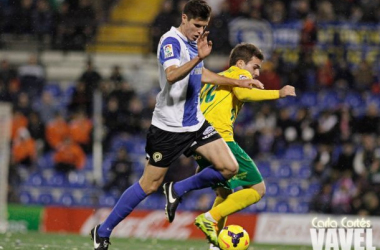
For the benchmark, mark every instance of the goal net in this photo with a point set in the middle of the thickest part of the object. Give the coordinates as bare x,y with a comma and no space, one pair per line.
5,131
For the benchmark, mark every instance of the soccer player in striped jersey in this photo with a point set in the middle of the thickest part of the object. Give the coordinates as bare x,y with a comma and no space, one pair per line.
221,105
178,125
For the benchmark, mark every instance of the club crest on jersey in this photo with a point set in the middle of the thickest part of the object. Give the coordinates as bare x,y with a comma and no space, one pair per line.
241,77
168,50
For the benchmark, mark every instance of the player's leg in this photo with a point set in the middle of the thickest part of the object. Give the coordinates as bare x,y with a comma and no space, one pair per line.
162,148
224,166
238,201
205,139
248,177
149,182
221,195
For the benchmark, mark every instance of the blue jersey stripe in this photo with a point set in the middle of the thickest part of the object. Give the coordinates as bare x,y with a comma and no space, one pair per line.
193,89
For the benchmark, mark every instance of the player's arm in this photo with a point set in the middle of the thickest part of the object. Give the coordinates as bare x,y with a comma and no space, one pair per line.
213,78
254,95
174,72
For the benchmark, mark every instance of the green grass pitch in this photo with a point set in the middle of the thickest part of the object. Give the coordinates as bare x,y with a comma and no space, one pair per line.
39,241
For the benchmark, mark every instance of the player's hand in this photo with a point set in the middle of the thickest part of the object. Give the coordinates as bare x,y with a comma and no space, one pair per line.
287,91
250,83
204,46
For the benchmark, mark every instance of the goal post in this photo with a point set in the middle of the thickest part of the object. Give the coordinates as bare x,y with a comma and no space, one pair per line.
5,134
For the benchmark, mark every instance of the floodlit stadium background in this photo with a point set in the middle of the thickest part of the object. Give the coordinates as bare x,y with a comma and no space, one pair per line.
94,64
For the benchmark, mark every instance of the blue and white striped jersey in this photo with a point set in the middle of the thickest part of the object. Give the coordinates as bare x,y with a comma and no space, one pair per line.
177,108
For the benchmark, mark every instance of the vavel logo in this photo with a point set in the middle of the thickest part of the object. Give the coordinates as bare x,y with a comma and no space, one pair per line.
346,234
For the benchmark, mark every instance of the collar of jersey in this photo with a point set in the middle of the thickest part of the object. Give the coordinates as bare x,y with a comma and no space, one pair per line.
184,38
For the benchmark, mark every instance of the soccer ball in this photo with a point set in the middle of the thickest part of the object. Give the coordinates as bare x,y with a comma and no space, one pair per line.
233,237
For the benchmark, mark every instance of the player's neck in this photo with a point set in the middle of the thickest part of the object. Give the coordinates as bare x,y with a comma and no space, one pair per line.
180,29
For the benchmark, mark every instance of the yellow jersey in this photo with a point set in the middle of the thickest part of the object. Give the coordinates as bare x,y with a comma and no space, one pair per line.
221,104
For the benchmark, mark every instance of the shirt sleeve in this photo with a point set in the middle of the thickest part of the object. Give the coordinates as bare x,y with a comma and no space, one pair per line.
170,52
250,95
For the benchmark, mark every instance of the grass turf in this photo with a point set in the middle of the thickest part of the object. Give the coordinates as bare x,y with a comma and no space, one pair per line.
40,241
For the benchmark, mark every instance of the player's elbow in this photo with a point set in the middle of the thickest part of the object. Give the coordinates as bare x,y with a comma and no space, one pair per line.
170,78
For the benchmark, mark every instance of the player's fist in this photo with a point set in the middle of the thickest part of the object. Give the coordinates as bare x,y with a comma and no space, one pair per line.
287,91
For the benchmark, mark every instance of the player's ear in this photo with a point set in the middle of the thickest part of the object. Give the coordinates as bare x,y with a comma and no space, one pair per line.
240,63
184,19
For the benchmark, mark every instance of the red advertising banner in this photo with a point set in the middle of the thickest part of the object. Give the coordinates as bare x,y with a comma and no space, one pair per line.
139,224
61,219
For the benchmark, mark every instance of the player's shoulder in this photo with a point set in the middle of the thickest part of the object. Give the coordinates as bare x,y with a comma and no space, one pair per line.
169,37
237,73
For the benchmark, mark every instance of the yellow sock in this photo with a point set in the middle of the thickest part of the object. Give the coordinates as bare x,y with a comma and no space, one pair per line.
222,221
234,203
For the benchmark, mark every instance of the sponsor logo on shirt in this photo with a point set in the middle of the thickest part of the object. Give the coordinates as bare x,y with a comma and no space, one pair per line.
241,77
168,50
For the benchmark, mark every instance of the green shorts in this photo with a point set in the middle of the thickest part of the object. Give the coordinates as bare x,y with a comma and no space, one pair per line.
248,174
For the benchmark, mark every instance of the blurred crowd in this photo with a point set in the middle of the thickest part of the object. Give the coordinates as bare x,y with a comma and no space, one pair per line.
335,114
67,24
310,12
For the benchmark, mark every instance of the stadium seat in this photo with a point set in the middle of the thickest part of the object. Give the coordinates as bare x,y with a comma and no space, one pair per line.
58,179
152,202
282,207
308,99
294,152
328,99
67,200
264,167
301,207
107,200
304,172
36,179
26,197
53,89
272,189
46,199
284,171
293,190
87,200
313,189
286,102
260,206
373,99
354,99
77,179
67,95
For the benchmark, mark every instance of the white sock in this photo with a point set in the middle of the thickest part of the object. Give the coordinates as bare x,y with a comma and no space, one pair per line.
212,247
209,217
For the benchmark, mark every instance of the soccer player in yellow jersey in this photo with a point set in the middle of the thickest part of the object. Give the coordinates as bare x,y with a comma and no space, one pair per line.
221,105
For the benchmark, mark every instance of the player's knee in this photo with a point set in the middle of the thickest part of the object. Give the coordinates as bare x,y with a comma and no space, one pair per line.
151,189
261,189
231,170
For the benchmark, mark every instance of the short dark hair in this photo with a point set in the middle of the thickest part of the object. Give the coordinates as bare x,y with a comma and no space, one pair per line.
245,52
197,9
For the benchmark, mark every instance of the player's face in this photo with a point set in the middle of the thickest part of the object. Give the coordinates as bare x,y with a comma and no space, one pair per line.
253,66
193,28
